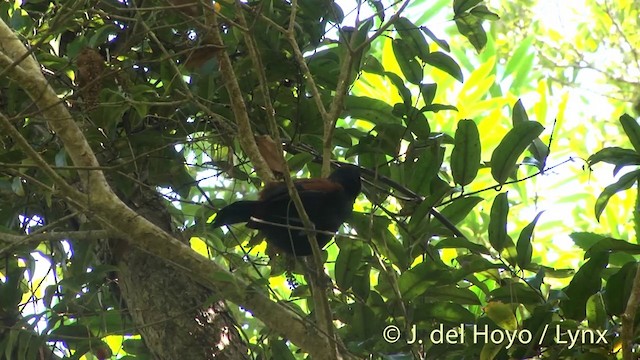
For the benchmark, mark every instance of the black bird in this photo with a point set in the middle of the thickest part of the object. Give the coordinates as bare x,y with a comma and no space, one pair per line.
328,202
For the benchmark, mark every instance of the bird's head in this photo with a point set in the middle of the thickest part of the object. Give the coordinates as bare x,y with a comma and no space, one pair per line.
349,177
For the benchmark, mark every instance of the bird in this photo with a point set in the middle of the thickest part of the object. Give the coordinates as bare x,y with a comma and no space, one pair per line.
328,203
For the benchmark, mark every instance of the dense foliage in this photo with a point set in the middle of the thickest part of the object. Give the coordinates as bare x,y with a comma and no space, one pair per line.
177,105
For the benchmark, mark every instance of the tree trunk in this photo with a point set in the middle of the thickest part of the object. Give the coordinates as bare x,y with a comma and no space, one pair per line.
175,316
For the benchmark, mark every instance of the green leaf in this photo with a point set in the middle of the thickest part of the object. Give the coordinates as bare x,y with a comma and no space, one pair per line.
362,34
518,293
585,240
326,64
363,321
516,60
373,65
522,76
425,169
612,245
460,6
298,161
110,321
519,114
472,263
540,318
373,110
362,281
465,157
71,331
438,107
414,38
483,12
523,246
388,137
420,278
632,129
343,138
379,9
347,263
136,347
428,92
16,186
280,350
389,247
615,155
334,14
498,222
460,208
405,94
596,313
462,296
586,282
445,63
502,314
417,123
506,154
538,149
470,26
461,243
490,350
552,272
624,183
384,241
10,343
409,65
444,311
27,342
442,43
619,287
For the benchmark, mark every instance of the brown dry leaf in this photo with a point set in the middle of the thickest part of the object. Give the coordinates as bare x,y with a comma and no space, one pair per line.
200,56
267,148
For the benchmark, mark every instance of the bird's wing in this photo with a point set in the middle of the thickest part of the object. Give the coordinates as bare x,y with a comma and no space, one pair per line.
278,191
314,194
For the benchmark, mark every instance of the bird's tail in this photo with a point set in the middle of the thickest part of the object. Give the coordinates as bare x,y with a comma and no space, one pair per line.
239,211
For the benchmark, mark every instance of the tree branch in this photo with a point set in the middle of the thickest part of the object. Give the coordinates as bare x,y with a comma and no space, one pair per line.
627,319
323,311
115,215
245,134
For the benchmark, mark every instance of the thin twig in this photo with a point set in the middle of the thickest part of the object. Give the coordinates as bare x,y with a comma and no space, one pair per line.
67,189
15,240
323,311
385,26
